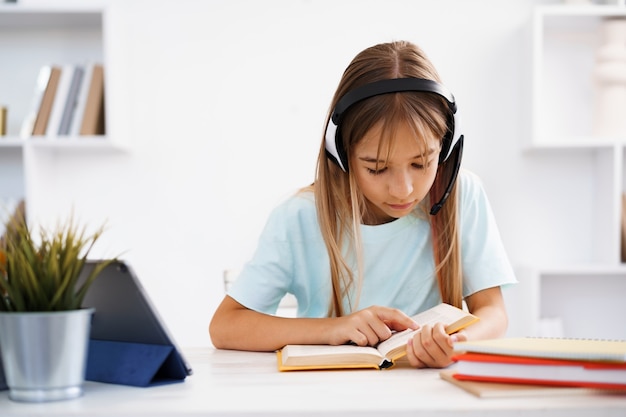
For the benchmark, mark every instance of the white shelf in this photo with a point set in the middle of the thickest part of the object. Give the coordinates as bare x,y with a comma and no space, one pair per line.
33,34
565,39
582,269
578,295
11,142
64,142
45,17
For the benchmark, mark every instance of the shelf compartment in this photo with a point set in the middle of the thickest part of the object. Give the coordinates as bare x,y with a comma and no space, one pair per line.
565,40
36,36
567,296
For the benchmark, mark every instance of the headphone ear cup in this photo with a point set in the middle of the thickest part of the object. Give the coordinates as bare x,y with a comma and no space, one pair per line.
445,147
334,146
447,173
448,138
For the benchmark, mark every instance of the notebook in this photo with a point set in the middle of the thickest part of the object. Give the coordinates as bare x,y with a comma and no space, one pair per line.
130,344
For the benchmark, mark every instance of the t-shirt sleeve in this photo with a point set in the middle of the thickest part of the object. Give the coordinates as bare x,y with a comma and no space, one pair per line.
485,261
265,279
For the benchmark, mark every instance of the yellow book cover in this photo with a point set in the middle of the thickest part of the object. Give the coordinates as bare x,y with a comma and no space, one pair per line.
382,356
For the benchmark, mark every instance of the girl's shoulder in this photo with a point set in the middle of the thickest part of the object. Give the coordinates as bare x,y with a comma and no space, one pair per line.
301,201
300,205
470,184
293,218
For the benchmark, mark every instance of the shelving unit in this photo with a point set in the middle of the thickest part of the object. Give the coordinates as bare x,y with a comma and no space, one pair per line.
32,36
582,293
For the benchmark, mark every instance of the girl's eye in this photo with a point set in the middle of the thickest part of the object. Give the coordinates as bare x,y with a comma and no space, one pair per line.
376,171
424,166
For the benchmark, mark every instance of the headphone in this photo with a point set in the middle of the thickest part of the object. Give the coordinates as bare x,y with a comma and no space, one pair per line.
452,143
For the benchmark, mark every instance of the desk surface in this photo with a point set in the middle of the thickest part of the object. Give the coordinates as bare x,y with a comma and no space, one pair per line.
246,383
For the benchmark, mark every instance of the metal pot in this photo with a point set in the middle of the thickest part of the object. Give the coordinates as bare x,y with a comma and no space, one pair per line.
45,353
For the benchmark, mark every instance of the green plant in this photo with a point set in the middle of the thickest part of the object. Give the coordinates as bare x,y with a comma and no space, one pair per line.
44,275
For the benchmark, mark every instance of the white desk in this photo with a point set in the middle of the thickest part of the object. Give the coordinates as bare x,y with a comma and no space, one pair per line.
242,383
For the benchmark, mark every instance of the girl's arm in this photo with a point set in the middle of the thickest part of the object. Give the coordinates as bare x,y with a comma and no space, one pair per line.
236,327
433,348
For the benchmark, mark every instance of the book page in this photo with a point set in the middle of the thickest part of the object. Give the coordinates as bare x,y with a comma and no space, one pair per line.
453,318
296,355
397,341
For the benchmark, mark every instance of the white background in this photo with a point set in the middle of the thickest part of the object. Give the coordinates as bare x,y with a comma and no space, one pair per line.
222,105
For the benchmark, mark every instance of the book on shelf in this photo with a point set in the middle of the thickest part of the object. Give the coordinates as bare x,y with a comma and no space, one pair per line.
93,114
539,371
549,348
382,356
41,83
43,115
60,98
623,229
81,99
71,101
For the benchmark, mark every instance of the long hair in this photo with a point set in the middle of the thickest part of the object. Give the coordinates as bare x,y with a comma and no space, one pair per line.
340,204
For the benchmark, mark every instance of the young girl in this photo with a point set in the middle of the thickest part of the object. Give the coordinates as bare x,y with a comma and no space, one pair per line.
389,228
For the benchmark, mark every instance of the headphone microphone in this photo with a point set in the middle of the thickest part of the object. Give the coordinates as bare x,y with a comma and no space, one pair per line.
452,143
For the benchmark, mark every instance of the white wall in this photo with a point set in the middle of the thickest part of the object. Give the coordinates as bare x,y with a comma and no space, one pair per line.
222,103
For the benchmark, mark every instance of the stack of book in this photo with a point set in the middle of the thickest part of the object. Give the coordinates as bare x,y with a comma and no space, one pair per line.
537,361
68,101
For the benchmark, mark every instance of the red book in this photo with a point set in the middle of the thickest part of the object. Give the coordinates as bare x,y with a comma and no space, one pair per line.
540,371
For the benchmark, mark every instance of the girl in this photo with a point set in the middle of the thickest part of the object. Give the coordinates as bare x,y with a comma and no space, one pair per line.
387,229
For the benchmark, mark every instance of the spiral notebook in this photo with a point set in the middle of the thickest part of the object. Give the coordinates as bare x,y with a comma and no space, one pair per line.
549,347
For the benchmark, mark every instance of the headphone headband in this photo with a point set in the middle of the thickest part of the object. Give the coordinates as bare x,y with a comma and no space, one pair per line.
333,141
395,85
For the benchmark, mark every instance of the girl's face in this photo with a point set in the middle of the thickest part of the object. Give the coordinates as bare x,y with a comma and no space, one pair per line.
393,185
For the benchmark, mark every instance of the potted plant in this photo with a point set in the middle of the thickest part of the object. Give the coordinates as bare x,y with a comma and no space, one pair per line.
44,331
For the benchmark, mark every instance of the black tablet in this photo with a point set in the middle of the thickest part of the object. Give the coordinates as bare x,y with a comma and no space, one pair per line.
123,310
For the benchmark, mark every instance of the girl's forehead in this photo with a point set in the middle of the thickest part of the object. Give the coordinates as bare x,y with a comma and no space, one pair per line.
399,134
400,147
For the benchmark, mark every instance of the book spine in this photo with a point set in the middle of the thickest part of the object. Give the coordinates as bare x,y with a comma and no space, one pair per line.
93,117
81,99
70,103
40,87
41,122
59,101
3,120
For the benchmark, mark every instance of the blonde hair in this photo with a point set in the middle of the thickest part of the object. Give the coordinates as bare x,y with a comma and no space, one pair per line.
339,201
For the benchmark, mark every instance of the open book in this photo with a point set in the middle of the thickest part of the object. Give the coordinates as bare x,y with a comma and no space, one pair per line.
384,355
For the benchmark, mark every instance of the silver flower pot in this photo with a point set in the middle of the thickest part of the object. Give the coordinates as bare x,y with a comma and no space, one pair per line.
45,354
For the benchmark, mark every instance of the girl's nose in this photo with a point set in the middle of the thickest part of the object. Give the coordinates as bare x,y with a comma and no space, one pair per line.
401,185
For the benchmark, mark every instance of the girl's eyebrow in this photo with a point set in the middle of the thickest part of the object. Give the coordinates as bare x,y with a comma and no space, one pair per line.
381,161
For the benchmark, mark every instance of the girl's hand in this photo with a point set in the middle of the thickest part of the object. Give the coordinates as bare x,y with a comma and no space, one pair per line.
431,347
369,326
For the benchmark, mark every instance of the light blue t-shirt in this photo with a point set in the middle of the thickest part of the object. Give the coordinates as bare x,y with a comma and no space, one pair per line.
399,269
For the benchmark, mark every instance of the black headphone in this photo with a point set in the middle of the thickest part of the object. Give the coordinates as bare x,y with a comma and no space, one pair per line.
452,143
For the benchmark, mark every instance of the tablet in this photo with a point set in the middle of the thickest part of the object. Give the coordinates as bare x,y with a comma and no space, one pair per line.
123,310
